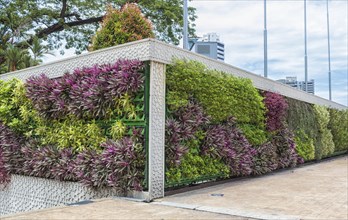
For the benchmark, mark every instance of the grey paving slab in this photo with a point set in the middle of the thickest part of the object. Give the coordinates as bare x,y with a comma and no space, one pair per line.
118,209
318,191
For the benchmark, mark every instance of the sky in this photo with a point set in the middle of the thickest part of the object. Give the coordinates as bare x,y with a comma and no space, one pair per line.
240,25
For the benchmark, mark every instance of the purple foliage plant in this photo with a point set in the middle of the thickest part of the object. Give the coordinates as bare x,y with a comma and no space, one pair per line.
182,127
4,173
276,111
120,165
87,92
284,142
10,144
266,159
227,142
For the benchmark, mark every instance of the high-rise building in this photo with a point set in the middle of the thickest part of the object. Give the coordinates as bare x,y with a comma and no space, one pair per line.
292,81
209,46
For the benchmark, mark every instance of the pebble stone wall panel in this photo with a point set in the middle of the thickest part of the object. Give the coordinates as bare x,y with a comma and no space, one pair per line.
134,50
165,53
30,193
156,130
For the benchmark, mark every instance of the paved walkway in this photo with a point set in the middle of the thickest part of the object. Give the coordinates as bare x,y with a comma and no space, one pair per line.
318,191
118,209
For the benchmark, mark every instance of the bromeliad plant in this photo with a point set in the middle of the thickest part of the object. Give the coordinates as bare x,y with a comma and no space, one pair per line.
121,164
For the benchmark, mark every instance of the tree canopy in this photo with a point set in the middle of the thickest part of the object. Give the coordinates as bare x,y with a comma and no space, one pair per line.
122,26
74,21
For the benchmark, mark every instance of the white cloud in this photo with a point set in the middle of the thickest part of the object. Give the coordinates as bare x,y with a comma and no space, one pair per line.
240,26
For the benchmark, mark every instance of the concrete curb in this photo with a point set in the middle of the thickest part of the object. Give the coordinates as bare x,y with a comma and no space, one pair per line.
226,211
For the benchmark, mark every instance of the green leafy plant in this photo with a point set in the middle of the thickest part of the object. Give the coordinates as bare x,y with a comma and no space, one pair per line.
304,145
194,167
117,130
325,145
254,135
221,95
339,128
16,110
301,116
70,133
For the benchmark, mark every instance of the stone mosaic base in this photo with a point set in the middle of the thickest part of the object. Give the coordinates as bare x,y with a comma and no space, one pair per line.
30,193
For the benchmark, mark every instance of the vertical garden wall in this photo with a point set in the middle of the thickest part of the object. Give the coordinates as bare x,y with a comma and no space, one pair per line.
146,115
85,126
220,126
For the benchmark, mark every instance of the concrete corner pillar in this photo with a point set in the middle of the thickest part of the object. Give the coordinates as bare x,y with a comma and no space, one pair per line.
156,152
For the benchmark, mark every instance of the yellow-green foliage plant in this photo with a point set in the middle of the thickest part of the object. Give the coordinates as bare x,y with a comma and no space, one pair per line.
325,145
122,26
221,95
304,145
70,133
16,110
339,128
301,116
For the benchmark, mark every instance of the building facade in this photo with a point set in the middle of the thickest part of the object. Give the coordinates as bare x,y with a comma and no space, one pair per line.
293,82
209,46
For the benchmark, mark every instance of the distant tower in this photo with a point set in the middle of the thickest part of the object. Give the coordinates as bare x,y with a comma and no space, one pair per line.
292,81
209,46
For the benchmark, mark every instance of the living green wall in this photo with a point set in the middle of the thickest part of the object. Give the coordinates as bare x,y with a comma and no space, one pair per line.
89,126
319,131
238,130
86,126
339,128
221,95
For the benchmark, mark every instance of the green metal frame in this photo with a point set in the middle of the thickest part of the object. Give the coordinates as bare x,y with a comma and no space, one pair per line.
147,120
200,179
